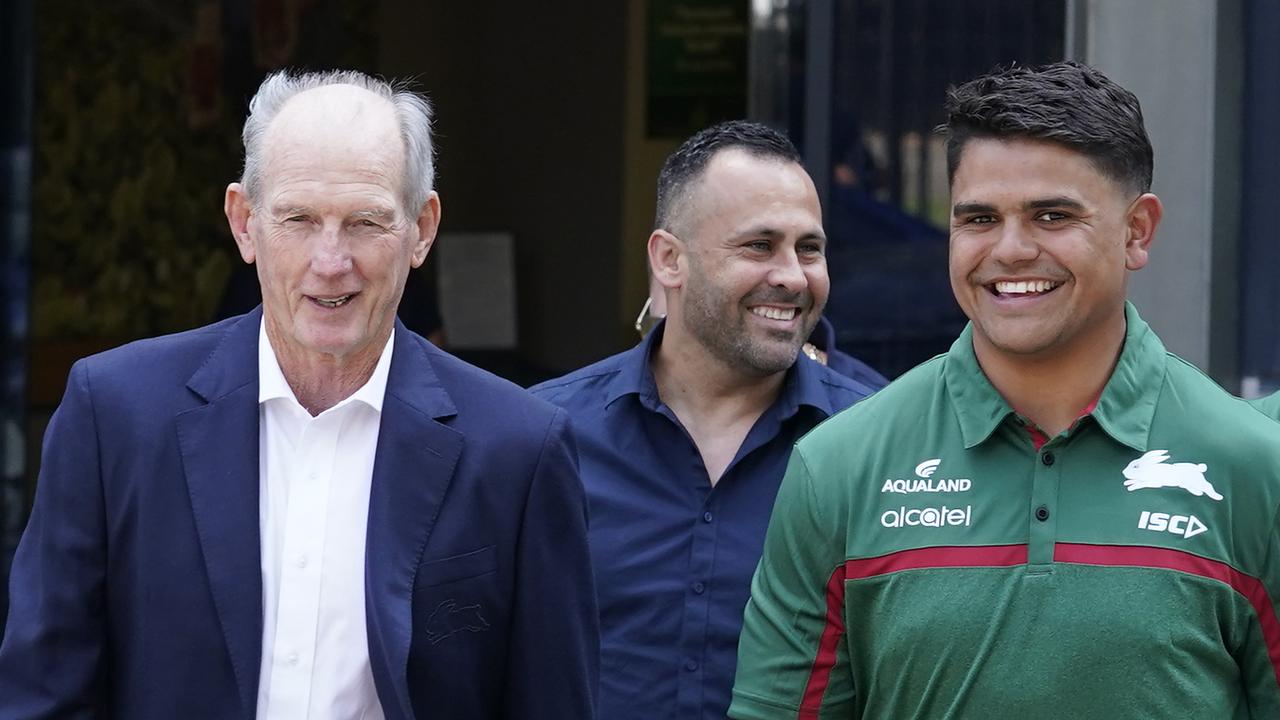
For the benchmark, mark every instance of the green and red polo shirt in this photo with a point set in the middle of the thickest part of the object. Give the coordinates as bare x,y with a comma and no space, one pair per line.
1269,405
925,559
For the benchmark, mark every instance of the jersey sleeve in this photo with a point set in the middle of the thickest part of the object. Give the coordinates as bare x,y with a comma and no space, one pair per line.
1269,405
792,658
1260,658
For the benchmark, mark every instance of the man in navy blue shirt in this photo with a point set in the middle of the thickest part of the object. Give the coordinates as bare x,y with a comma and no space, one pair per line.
821,345
684,438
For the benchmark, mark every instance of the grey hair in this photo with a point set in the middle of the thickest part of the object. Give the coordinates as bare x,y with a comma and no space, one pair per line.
413,114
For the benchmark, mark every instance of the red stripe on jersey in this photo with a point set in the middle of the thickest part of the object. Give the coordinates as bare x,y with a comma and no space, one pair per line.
937,557
1137,556
918,558
828,646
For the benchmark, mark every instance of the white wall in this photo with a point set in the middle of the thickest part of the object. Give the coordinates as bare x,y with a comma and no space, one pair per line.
1171,55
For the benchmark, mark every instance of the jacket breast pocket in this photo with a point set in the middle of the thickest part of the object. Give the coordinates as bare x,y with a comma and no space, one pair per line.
458,567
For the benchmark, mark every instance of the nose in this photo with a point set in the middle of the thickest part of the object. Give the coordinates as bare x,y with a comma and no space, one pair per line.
787,272
330,252
1014,245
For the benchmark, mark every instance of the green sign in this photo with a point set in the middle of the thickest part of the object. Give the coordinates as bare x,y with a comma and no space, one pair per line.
697,64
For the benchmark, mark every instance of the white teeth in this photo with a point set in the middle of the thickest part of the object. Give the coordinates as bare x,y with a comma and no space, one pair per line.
775,313
333,302
1022,287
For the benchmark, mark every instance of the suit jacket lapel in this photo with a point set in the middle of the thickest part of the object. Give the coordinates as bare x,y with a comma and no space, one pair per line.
415,461
219,446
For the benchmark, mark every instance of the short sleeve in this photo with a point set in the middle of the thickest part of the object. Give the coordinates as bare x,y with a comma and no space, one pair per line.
792,660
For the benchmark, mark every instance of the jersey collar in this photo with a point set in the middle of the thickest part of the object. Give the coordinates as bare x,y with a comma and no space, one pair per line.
1124,411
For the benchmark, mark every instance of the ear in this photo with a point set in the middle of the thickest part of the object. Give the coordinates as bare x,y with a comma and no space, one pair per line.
428,224
666,259
1144,216
237,208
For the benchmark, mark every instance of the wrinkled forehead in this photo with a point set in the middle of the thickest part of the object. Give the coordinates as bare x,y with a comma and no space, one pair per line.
339,123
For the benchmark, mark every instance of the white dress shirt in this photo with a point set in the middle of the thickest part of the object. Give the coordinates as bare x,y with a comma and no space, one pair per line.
314,475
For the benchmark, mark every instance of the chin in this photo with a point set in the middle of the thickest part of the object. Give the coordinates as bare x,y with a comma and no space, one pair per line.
1021,346
1027,336
770,360
329,345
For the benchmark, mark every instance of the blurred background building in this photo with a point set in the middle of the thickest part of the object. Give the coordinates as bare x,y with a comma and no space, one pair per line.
120,124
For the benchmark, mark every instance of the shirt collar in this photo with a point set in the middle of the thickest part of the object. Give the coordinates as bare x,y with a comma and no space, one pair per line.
1128,403
1124,411
803,385
272,384
634,375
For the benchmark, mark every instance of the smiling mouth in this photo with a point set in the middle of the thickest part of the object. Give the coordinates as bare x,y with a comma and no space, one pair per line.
776,313
332,302
1022,288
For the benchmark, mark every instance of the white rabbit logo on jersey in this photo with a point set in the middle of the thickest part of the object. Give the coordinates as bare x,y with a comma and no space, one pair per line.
1151,471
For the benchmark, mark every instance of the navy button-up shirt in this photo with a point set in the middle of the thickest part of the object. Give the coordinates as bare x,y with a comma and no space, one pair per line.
673,555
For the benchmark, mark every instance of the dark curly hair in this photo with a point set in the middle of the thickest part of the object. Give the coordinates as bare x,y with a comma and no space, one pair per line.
1068,103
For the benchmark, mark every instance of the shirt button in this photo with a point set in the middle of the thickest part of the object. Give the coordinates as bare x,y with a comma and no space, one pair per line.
1042,513
699,588
301,562
1047,459
292,659
313,476
690,664
707,516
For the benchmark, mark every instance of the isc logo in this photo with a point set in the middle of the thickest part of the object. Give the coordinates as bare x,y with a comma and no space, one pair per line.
1184,525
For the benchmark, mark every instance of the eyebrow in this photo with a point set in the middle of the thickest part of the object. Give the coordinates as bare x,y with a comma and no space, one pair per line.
290,210
386,214
1055,202
375,213
774,233
979,208
971,208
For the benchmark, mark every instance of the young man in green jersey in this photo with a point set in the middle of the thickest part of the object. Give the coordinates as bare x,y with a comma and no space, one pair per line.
1055,519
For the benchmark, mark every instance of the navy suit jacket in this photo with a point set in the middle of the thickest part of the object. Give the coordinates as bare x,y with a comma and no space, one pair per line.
137,586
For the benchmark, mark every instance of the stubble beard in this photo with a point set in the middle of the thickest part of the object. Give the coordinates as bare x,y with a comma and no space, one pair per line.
726,336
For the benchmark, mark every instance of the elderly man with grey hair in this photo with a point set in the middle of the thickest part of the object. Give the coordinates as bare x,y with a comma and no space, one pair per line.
307,511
